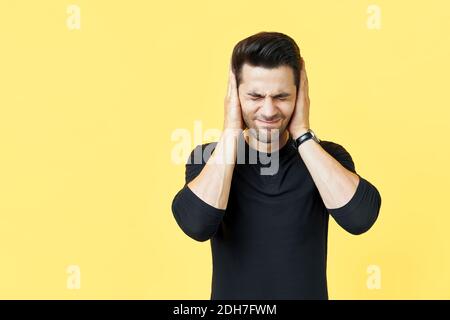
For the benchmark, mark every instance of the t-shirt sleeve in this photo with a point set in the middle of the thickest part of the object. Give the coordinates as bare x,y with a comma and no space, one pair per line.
360,213
198,219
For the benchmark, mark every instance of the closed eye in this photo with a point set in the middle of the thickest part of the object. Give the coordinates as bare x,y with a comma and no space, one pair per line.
255,98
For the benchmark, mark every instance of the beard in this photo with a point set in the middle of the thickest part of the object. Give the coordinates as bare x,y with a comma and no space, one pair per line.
265,135
262,134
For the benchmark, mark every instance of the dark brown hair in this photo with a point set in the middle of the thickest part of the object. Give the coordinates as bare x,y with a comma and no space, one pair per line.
268,50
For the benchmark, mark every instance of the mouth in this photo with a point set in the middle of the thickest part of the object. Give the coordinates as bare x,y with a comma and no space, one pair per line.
269,123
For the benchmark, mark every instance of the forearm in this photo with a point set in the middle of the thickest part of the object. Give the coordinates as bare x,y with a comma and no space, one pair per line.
213,183
336,184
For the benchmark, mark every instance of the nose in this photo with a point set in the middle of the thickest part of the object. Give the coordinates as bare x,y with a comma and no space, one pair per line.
269,111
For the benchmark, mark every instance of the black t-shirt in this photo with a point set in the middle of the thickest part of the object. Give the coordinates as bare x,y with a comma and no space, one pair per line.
271,240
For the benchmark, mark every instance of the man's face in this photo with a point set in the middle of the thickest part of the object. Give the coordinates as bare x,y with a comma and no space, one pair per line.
267,98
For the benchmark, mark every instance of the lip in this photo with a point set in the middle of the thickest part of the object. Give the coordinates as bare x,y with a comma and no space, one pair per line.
269,123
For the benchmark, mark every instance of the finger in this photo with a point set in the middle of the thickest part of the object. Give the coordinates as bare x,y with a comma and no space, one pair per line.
233,83
305,76
229,83
301,80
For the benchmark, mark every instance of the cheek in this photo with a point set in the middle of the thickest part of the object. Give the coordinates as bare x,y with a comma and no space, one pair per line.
287,109
248,115
248,107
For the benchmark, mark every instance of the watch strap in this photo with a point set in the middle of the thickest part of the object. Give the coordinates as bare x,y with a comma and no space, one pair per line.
304,137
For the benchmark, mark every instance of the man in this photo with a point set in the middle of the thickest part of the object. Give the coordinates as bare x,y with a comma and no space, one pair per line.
268,232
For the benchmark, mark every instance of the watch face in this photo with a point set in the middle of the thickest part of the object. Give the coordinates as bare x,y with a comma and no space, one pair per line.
315,138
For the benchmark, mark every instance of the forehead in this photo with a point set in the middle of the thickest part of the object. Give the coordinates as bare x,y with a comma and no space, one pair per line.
260,78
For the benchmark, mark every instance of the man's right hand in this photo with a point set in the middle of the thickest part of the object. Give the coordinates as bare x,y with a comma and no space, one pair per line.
233,112
212,185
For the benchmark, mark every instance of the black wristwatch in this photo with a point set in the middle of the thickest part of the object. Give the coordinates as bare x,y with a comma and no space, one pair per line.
306,136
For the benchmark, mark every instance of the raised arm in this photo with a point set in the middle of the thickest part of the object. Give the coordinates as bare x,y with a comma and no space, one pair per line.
199,206
352,201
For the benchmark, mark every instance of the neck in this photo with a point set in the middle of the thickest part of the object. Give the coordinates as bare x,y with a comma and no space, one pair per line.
266,147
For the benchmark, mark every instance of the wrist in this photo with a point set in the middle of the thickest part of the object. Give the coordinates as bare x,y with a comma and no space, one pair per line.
298,132
232,132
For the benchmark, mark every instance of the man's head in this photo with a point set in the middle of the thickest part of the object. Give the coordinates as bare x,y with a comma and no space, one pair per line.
267,68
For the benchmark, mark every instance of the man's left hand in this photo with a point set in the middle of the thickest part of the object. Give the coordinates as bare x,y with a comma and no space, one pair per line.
299,122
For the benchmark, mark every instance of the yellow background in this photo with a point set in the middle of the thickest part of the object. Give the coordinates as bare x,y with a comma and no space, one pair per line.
86,117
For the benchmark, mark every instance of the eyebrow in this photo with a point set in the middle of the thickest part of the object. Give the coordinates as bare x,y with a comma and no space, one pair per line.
280,95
